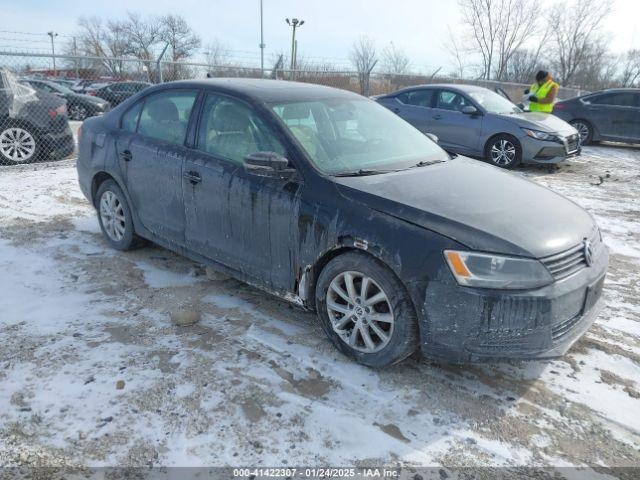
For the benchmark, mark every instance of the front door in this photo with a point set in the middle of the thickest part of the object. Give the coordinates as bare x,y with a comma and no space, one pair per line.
456,131
415,107
614,114
237,218
153,161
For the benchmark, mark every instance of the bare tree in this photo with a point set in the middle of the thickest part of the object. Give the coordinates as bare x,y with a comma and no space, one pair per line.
394,60
216,54
457,53
364,58
182,41
498,28
575,34
143,36
97,39
630,75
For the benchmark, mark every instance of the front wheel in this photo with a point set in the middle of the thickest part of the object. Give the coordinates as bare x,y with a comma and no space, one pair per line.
366,311
504,151
585,131
115,217
78,112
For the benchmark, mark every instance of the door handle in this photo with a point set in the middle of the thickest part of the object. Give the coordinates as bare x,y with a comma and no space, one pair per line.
437,117
193,177
126,155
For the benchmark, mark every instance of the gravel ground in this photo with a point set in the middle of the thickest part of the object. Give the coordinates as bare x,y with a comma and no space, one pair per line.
94,373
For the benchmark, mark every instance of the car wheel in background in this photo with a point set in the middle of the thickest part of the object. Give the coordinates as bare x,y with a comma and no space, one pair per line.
18,144
115,218
503,151
366,311
78,112
585,130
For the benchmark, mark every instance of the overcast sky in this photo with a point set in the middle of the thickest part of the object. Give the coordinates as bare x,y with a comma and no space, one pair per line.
417,26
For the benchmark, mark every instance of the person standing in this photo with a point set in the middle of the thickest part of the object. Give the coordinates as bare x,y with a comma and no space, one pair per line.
543,93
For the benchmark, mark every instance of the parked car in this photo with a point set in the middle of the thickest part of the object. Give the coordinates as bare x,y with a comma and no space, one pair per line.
477,122
117,92
33,124
605,115
79,106
332,202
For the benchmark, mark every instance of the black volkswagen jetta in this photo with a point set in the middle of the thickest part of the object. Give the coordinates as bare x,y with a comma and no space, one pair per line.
330,201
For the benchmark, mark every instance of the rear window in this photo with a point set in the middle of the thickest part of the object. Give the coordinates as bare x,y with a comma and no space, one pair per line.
420,98
165,116
618,99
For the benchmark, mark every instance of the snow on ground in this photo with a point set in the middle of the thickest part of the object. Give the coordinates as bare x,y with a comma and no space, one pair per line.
257,382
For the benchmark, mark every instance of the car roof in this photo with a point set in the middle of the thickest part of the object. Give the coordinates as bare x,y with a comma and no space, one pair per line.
615,90
265,90
459,87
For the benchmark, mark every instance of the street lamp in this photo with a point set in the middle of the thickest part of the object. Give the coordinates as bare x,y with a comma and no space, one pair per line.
294,23
262,45
53,51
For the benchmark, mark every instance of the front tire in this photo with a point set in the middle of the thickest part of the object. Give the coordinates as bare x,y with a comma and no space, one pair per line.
585,131
18,144
365,310
115,217
78,112
503,151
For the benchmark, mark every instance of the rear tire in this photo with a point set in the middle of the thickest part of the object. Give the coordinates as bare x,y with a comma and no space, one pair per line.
503,151
369,318
115,217
18,143
585,130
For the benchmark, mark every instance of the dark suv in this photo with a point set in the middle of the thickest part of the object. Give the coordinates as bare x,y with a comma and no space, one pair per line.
605,115
33,124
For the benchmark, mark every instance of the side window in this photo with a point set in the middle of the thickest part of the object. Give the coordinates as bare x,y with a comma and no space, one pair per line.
231,129
165,116
448,100
129,120
420,98
622,99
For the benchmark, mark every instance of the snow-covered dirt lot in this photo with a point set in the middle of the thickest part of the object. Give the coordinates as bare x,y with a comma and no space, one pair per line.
93,372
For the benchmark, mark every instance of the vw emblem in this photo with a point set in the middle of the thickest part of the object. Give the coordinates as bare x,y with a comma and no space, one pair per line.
588,253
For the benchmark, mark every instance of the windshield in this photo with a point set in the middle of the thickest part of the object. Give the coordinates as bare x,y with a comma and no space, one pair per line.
342,136
59,87
493,103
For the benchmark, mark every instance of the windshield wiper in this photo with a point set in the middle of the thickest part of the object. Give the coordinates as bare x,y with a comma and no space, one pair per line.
424,163
363,172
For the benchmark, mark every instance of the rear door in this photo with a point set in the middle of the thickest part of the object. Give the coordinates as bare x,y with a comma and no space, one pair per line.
457,131
153,162
414,106
614,114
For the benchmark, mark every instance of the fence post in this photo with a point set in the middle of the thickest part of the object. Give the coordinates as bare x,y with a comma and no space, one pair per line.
159,63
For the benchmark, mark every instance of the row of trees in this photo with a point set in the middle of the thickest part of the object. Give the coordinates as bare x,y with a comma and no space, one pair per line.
514,38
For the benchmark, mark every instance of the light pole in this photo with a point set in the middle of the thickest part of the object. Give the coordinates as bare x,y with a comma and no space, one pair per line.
262,45
294,23
53,51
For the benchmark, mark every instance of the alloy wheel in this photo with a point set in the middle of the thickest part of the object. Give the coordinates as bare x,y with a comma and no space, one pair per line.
503,153
360,312
583,130
77,112
112,216
17,144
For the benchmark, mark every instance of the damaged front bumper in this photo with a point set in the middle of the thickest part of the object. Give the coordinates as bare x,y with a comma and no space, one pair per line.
462,324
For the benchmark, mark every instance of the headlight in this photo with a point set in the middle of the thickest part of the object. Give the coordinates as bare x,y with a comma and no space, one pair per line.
538,135
485,270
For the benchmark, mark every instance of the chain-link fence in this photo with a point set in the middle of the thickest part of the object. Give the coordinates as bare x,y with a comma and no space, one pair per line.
43,98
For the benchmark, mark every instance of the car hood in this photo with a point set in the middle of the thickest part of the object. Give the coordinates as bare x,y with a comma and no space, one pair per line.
540,121
87,98
476,204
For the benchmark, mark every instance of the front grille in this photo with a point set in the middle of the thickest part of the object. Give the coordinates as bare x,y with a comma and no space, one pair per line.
573,142
558,331
570,261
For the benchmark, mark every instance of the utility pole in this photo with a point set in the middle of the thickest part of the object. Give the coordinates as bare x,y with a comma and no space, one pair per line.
53,51
294,23
262,45
75,54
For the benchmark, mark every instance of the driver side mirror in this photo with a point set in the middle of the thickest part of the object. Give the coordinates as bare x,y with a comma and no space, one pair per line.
470,110
268,164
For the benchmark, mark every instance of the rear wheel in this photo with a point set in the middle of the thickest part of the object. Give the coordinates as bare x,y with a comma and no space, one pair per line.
115,217
585,130
18,144
365,310
78,112
503,151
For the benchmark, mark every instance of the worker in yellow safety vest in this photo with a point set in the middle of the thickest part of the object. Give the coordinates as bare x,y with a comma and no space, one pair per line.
542,93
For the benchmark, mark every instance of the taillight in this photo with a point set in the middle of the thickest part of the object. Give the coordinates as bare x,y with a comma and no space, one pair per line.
559,106
61,110
92,93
